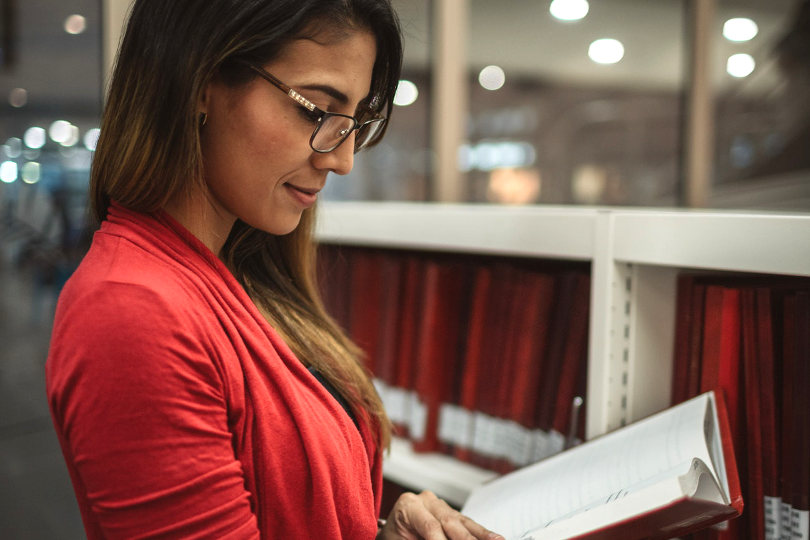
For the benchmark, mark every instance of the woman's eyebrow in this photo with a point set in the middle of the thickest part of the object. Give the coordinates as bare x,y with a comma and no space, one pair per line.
330,91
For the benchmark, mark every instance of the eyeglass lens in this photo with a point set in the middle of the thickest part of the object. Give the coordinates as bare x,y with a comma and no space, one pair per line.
333,130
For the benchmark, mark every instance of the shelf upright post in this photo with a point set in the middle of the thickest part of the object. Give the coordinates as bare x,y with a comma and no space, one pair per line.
700,107
608,360
448,124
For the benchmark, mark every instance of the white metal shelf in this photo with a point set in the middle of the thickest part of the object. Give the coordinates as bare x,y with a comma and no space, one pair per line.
713,240
447,477
554,232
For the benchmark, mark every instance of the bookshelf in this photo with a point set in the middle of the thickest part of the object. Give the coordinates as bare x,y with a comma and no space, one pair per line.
635,256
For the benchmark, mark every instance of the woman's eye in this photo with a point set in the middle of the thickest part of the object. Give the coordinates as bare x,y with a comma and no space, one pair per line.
312,116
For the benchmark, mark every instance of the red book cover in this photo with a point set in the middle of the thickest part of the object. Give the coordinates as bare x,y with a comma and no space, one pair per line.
790,374
493,383
683,329
800,499
366,286
721,368
505,364
410,314
555,356
511,282
334,274
754,420
442,322
769,418
532,326
391,277
473,367
721,351
528,295
575,354
695,362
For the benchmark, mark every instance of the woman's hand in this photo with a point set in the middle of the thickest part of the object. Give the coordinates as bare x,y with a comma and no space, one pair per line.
426,517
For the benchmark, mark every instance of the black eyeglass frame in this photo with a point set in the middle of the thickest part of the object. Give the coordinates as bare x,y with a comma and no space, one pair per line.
323,115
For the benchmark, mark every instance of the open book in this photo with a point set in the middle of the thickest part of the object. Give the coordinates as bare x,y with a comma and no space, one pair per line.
664,476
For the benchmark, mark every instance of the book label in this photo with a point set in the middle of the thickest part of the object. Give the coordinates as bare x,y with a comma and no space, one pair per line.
418,417
800,524
773,519
784,512
455,425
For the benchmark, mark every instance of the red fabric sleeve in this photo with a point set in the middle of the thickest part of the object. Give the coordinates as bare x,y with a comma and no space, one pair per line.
140,409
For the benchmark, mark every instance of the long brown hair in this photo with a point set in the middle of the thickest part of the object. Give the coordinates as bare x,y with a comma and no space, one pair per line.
149,149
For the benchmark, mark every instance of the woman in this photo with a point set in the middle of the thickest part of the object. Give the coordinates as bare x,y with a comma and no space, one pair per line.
197,386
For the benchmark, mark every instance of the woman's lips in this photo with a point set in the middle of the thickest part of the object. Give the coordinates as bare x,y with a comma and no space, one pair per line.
305,196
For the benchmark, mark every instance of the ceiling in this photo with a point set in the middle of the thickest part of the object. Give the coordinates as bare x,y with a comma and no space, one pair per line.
524,39
62,72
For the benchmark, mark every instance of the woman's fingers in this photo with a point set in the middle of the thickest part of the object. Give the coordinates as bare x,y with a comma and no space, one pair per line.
427,517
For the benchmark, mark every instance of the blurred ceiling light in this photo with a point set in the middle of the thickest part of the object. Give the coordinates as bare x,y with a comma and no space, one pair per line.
589,183
8,172
569,10
606,51
34,137
514,186
31,172
91,139
75,24
492,78
73,137
59,131
740,29
740,65
18,97
13,147
406,93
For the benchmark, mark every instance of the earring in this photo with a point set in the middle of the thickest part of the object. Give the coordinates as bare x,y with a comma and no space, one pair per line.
203,119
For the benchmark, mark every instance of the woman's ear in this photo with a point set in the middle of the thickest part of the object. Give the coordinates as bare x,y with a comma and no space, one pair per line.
202,106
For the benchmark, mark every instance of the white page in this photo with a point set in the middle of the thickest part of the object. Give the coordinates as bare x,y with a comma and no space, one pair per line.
595,472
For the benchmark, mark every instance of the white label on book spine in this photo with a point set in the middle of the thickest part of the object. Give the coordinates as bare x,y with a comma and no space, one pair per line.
784,512
455,425
485,440
418,418
514,442
394,402
800,524
546,444
773,519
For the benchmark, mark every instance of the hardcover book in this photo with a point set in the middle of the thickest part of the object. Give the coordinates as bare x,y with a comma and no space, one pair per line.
661,477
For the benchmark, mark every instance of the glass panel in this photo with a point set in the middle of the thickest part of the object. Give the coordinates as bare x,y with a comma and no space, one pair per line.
399,167
762,85
558,116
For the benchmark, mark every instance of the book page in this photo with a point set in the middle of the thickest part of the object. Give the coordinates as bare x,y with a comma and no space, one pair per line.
594,473
715,447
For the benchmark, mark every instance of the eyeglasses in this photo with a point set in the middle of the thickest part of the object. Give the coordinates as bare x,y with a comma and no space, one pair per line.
331,129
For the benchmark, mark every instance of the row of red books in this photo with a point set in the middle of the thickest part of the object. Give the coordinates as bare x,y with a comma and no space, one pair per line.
748,337
481,358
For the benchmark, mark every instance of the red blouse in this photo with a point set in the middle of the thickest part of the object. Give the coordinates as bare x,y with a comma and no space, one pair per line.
181,413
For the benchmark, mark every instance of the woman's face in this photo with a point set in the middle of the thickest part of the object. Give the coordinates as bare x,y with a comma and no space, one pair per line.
259,166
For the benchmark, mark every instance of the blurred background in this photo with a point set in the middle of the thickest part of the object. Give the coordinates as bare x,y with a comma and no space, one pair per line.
665,103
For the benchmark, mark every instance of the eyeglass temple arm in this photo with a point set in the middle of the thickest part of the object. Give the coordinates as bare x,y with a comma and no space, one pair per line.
284,88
